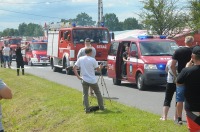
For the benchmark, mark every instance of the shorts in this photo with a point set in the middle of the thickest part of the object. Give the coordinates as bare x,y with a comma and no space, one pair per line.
6,58
192,126
180,93
2,84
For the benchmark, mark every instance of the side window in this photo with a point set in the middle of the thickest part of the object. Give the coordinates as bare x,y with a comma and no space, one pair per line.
133,48
113,48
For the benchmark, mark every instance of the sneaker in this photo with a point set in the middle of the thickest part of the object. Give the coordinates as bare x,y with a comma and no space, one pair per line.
180,123
163,119
87,111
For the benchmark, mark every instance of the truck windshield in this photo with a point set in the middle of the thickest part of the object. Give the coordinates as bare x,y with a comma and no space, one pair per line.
38,46
158,48
96,35
12,41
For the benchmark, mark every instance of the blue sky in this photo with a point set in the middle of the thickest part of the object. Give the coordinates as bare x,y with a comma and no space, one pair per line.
14,12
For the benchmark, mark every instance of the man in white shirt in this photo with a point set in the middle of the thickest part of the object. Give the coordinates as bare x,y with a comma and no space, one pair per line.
88,65
6,55
81,52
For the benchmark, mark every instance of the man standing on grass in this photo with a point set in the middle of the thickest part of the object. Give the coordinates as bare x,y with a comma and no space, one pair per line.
88,65
81,52
189,77
5,93
181,56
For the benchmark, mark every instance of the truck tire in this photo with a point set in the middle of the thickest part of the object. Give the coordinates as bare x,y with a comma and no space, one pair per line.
69,71
116,81
30,63
55,69
140,82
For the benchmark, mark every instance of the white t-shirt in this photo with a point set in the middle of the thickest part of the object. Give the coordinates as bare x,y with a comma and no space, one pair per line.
87,65
6,51
81,52
170,77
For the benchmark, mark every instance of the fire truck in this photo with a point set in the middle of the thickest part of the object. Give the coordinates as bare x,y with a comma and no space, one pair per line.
146,62
36,53
12,42
64,44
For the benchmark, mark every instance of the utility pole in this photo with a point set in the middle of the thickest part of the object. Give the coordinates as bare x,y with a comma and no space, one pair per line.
100,12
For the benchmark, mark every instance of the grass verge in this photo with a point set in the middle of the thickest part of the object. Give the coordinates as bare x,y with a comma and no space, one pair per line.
39,105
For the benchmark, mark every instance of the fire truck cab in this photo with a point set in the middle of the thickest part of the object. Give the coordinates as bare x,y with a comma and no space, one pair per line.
65,43
147,58
36,53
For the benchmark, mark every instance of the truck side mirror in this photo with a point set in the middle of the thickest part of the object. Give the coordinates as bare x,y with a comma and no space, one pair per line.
133,53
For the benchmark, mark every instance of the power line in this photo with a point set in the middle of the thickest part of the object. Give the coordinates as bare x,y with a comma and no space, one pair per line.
31,2
29,14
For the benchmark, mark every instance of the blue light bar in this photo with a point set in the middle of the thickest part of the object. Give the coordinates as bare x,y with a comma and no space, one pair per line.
145,37
34,40
163,37
73,24
102,24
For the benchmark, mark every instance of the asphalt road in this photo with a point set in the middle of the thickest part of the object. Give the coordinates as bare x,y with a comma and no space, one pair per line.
150,100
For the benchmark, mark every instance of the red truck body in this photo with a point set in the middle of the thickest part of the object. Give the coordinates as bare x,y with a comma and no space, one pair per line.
64,44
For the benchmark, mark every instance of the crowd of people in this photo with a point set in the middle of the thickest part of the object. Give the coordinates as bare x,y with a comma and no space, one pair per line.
183,78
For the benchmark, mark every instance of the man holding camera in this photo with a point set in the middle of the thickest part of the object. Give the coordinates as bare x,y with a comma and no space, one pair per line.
88,65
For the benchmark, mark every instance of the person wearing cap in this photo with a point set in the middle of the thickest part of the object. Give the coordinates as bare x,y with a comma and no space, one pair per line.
182,55
189,77
88,65
81,52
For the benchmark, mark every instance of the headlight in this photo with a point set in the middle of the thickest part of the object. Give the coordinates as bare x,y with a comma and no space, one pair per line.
150,66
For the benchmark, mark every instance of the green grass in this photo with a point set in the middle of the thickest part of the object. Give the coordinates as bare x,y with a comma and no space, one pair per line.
39,105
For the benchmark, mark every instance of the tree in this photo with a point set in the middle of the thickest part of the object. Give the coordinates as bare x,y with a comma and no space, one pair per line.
22,29
112,22
195,14
84,19
163,17
131,23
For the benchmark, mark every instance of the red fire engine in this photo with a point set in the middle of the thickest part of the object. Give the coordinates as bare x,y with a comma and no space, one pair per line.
12,42
147,58
64,44
36,53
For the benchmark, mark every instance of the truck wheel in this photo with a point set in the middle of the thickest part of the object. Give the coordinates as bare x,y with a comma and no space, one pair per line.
69,71
140,82
55,69
116,81
30,63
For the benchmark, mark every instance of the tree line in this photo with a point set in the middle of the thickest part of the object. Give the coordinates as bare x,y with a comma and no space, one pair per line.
163,17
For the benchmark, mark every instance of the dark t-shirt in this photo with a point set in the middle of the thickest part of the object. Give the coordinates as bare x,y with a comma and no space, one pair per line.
19,54
182,55
125,55
190,78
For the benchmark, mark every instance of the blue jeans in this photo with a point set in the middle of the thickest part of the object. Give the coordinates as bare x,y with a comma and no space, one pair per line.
180,93
6,58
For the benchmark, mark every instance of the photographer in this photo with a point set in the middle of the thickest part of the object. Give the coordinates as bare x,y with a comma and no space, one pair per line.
88,65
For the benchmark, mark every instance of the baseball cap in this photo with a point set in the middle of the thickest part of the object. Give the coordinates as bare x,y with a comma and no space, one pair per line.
87,40
196,50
